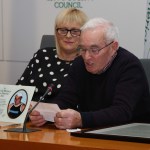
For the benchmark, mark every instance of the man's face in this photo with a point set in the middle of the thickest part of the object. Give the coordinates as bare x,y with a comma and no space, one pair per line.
92,40
17,99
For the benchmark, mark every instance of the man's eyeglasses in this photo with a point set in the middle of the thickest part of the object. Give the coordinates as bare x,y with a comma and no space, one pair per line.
64,31
93,50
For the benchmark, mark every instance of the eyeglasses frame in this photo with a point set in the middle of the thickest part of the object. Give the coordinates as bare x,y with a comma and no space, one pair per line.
68,31
98,49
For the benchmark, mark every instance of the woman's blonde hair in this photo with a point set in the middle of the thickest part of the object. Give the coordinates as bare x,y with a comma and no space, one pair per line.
69,15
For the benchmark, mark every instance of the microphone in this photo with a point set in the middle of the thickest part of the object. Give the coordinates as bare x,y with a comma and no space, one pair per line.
25,129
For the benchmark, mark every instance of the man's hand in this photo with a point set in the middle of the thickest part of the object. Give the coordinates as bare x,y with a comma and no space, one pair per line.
37,119
68,119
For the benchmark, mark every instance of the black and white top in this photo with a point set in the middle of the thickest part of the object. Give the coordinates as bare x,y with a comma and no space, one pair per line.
43,69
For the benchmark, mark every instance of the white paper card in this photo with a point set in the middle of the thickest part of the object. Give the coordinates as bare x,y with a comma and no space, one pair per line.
4,124
14,102
47,110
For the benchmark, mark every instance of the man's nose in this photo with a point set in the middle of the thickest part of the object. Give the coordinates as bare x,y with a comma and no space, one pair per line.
87,54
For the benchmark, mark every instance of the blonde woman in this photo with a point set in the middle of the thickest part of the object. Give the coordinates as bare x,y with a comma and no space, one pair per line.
51,65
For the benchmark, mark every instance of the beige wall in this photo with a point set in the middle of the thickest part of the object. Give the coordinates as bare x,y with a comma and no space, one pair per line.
23,22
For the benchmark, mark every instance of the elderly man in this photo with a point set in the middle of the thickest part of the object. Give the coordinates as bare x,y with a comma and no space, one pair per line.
106,85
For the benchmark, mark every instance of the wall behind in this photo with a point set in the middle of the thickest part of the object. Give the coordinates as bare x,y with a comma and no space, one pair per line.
1,55
23,22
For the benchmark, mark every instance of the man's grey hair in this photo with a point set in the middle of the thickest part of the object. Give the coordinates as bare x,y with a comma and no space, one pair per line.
111,32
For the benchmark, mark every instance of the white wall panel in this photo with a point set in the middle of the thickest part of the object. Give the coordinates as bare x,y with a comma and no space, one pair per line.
23,22
11,71
1,51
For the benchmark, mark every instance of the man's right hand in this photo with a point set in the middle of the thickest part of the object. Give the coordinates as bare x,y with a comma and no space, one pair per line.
37,119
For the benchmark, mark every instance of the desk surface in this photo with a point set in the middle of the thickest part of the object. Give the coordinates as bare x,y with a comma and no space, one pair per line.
54,139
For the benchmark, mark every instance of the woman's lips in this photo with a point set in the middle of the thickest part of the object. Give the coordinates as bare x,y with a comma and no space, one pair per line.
68,42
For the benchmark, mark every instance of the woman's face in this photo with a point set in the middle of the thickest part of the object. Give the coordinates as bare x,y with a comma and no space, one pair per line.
68,43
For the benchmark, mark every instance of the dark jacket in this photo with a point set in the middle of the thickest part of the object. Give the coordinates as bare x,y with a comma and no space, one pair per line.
119,95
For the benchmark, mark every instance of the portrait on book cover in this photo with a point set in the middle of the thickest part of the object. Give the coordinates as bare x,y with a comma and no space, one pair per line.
17,104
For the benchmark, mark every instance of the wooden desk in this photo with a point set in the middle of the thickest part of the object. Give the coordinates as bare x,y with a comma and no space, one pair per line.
51,138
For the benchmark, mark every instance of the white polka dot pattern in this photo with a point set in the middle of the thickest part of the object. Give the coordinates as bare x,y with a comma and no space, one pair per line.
44,50
36,90
44,84
65,75
48,65
46,58
37,61
31,81
45,68
22,78
59,86
41,75
54,79
61,69
49,93
58,63
51,73
39,69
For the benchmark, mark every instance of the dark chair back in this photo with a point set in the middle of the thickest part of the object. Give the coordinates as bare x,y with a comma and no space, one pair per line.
47,41
146,65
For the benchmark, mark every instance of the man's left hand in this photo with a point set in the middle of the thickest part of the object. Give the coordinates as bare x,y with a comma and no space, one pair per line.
68,119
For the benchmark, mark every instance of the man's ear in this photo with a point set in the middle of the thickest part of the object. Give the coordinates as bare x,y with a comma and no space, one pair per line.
115,45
